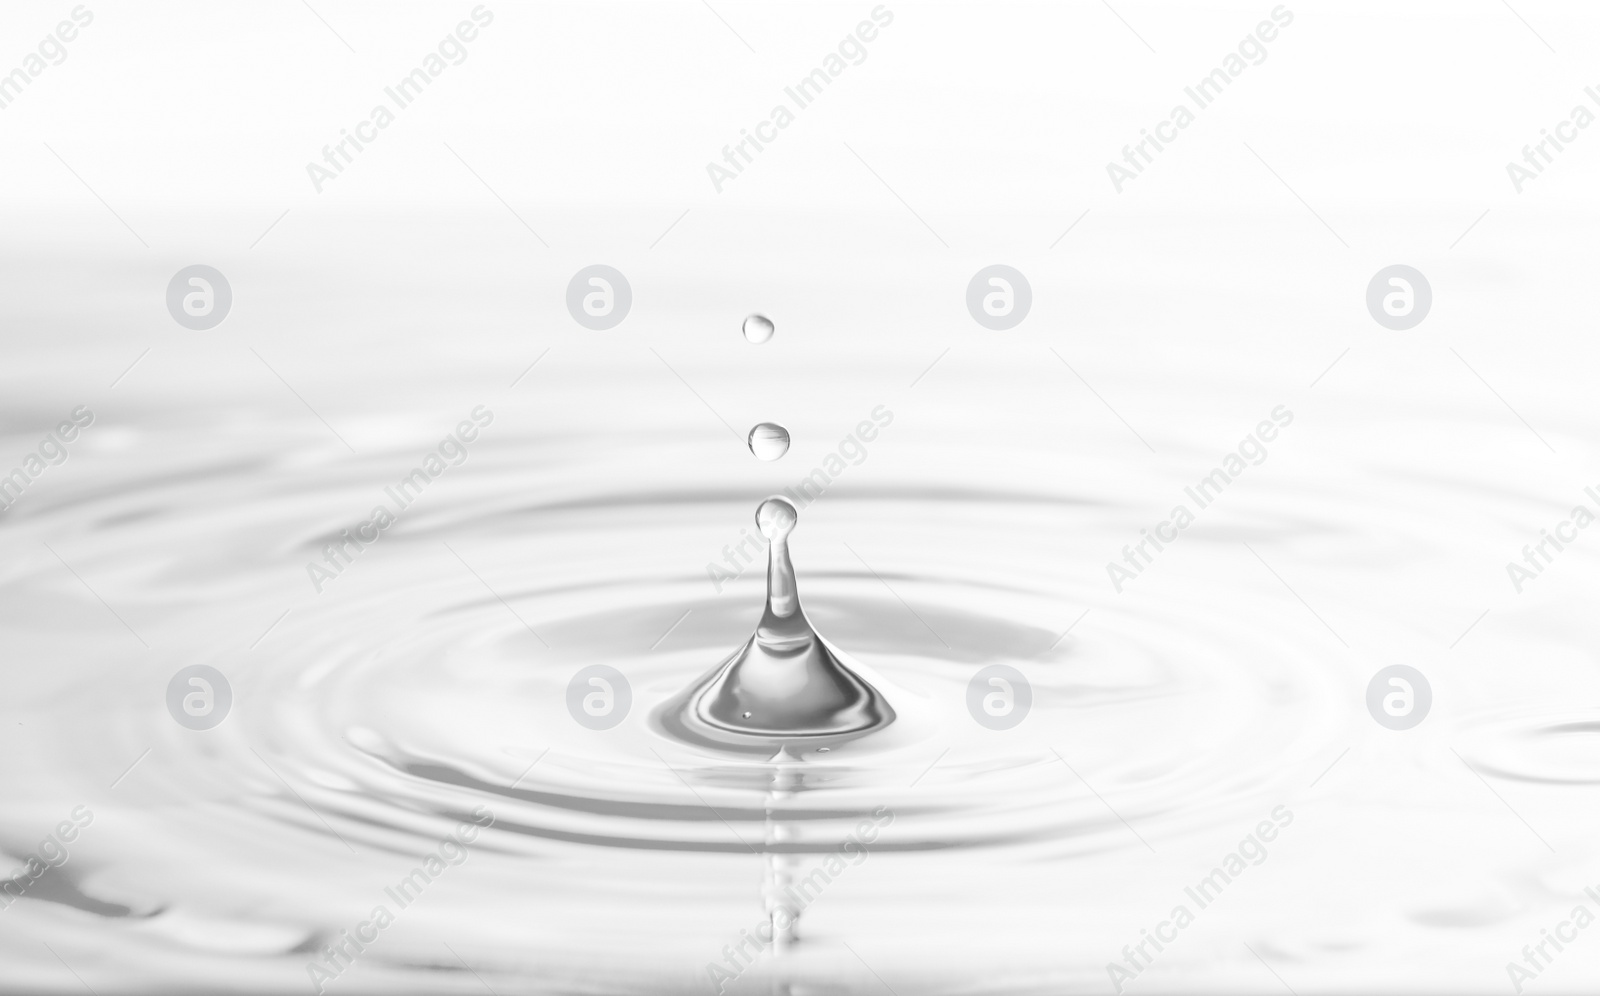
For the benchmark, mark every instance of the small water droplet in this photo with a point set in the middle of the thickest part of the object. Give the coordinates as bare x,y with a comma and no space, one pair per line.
769,441
823,750
748,714
758,328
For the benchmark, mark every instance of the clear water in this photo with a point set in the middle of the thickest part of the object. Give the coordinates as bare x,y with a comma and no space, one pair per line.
425,687
785,688
757,328
768,441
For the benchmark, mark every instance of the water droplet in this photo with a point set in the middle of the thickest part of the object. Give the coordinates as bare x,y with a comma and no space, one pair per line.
758,328
785,673
769,441
776,519
823,750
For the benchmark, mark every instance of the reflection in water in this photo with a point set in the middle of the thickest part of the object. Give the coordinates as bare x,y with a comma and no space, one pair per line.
372,718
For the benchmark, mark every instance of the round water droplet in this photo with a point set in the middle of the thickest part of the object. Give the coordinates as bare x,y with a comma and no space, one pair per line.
758,328
769,441
775,517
